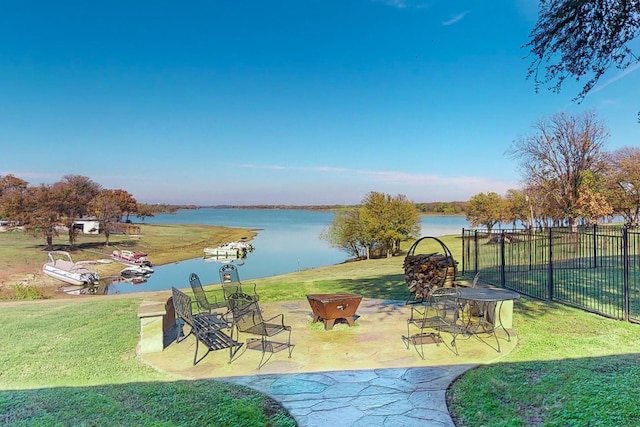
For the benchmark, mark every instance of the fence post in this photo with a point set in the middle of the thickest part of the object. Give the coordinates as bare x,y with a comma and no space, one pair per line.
625,274
464,257
550,268
530,237
502,259
475,249
595,250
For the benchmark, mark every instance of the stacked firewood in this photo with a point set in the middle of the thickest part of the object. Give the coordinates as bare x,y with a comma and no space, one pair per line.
426,272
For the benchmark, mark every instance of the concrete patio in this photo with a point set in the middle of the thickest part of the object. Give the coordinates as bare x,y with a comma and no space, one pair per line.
360,375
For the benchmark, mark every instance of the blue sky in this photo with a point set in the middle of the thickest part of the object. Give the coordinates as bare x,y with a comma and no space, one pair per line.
280,102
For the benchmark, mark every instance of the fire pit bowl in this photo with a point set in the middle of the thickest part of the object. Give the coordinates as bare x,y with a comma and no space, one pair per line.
330,307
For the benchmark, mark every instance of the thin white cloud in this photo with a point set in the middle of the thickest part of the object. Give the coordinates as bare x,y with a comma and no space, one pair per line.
297,168
456,18
403,4
615,78
399,178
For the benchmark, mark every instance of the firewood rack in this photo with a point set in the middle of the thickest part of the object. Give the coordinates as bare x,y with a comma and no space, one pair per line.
425,272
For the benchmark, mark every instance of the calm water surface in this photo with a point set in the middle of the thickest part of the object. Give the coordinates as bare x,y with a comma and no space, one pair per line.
288,240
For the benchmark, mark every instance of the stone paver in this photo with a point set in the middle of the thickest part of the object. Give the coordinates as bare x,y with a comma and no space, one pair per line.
380,397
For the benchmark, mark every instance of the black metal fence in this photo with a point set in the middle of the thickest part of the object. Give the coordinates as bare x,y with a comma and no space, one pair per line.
594,268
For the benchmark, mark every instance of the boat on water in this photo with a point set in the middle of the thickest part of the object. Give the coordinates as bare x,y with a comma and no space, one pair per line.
222,251
128,257
60,266
136,270
231,249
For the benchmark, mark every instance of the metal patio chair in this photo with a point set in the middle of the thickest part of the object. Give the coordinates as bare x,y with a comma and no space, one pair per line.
211,330
205,304
248,319
231,284
439,313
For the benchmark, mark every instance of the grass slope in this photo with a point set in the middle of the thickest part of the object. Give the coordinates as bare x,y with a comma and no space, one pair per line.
73,363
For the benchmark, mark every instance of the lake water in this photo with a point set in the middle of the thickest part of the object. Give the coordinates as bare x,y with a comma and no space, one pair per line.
288,240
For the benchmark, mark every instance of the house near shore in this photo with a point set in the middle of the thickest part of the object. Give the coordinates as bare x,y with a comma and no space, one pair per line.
92,226
87,226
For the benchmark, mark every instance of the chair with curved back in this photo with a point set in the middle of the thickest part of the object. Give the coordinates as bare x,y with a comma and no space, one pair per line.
231,284
203,302
208,328
248,318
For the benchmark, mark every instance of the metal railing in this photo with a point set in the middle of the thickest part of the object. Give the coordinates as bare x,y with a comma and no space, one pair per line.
596,269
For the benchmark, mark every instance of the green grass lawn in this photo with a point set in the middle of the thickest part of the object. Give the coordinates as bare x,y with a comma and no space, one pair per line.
570,368
73,363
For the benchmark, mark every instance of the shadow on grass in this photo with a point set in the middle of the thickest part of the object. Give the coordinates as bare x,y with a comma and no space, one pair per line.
389,287
580,391
94,245
184,403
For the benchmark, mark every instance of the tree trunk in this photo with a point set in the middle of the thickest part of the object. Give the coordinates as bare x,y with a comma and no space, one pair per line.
72,235
573,223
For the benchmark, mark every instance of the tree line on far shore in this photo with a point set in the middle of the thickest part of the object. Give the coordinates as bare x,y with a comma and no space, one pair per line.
439,208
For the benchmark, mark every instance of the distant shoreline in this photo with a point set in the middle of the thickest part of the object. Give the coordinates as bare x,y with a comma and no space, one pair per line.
324,208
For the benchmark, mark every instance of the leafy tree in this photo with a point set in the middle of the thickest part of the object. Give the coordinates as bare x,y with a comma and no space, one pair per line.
12,204
579,38
375,216
345,232
517,208
486,209
557,157
592,206
10,182
447,208
126,202
36,208
623,182
74,193
106,208
379,223
11,192
144,210
41,212
404,219
388,220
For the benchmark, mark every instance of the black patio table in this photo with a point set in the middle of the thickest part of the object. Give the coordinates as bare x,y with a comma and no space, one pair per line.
489,302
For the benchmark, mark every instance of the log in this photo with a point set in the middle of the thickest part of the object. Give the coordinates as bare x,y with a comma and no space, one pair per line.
426,272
